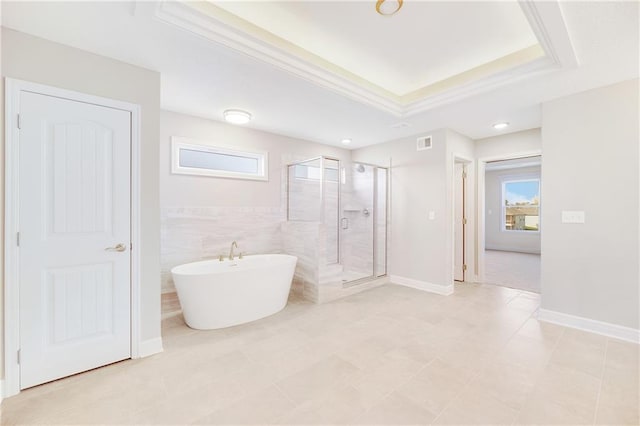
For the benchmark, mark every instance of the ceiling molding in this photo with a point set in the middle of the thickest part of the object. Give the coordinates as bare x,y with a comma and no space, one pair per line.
547,22
189,18
464,90
217,25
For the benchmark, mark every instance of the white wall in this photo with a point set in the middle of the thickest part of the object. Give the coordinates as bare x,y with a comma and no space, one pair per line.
34,59
509,145
202,215
590,163
495,237
417,245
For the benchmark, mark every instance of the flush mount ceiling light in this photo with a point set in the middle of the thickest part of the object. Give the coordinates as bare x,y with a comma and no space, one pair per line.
500,126
346,141
237,116
388,7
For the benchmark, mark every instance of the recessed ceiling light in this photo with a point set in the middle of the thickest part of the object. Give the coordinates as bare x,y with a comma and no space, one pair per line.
237,116
346,141
500,126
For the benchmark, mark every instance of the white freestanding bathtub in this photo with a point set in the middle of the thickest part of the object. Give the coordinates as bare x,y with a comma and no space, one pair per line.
216,294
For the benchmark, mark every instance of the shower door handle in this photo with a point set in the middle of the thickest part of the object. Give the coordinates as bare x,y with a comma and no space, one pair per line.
344,222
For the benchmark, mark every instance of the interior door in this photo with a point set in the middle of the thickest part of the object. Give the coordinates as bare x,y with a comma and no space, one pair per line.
74,237
459,222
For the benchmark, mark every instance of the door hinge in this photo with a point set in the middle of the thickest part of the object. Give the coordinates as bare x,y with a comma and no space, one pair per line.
18,239
18,356
464,267
464,175
464,221
19,122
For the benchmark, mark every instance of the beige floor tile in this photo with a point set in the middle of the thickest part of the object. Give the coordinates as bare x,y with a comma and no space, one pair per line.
396,410
187,407
622,364
286,363
541,330
619,404
415,350
545,411
526,302
367,353
473,406
388,355
614,414
260,408
317,380
562,396
581,351
341,406
440,368
526,351
434,394
304,414
509,383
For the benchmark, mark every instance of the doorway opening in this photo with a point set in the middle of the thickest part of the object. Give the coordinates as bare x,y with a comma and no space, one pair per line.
512,225
460,221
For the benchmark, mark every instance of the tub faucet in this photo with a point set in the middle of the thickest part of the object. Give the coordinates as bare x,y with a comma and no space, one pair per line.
233,244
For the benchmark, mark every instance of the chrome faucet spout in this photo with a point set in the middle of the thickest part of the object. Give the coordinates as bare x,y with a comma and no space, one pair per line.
233,244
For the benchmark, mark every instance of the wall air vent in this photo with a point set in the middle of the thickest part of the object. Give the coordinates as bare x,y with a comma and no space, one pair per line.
424,142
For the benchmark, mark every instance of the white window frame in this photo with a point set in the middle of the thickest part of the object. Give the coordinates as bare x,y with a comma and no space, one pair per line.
503,209
178,143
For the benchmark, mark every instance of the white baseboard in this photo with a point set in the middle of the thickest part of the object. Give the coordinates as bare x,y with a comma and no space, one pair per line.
422,285
150,347
594,326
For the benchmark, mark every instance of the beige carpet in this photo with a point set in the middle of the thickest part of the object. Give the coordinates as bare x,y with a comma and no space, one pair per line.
511,269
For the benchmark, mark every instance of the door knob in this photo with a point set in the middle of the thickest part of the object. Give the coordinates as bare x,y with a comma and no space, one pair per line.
119,247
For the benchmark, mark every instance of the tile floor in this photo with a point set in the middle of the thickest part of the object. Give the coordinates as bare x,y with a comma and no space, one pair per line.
391,355
170,304
510,269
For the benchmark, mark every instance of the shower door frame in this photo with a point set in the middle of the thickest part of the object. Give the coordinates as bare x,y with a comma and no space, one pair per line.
374,273
322,195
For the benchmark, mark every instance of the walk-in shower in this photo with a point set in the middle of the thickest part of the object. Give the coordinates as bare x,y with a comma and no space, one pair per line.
349,203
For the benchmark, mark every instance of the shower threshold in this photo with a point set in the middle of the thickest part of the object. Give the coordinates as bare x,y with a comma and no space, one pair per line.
359,281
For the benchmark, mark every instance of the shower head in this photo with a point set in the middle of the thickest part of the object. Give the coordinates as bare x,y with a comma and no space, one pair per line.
360,168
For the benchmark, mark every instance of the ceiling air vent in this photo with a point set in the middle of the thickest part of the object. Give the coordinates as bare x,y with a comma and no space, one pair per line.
424,142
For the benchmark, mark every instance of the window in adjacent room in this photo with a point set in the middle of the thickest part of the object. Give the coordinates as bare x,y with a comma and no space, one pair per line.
521,205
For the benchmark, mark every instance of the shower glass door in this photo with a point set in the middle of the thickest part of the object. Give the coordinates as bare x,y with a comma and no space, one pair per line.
349,202
360,214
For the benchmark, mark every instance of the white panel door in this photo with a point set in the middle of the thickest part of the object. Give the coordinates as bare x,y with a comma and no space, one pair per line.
459,225
74,193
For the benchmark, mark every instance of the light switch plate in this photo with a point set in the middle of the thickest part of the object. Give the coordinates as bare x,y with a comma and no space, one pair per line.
432,215
572,216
